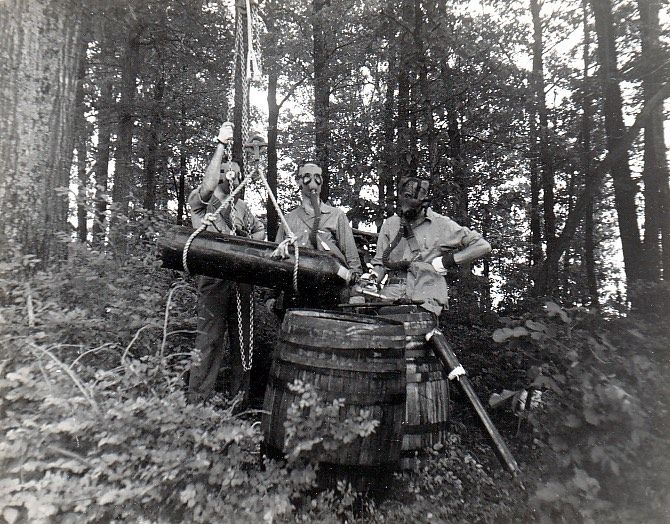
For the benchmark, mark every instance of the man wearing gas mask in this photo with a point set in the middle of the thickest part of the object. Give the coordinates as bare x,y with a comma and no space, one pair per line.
319,226
417,247
218,299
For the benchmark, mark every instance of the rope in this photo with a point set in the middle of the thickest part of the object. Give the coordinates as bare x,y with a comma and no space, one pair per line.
290,236
206,222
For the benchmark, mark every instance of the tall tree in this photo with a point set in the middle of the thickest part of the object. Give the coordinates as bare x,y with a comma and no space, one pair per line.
545,157
123,174
587,162
81,130
624,187
153,143
653,69
40,43
322,88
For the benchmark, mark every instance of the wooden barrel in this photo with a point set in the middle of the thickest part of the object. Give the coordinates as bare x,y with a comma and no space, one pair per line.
357,358
426,418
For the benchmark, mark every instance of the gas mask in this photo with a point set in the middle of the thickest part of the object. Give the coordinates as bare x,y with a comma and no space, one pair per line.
310,179
412,197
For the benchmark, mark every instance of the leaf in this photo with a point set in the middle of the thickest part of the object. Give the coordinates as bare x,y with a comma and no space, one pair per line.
519,331
572,421
542,381
535,326
558,444
500,335
554,309
591,416
552,492
585,482
10,515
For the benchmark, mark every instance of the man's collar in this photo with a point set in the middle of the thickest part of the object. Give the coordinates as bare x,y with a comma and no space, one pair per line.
325,209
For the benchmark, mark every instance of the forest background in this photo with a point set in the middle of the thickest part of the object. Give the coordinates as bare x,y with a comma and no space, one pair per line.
541,125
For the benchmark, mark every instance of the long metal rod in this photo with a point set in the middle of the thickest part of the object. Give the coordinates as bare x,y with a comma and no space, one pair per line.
449,360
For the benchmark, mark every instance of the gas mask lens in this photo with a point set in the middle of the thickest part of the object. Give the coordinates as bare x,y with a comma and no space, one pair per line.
308,177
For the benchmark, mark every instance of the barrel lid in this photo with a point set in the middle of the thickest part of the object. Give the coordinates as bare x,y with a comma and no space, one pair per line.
325,323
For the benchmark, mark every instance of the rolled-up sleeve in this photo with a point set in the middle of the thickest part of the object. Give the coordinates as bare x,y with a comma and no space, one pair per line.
198,207
470,243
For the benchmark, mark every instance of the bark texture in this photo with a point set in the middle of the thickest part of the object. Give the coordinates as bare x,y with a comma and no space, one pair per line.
625,189
40,49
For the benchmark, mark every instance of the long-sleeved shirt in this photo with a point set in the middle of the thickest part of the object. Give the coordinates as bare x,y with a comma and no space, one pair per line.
435,234
244,221
334,234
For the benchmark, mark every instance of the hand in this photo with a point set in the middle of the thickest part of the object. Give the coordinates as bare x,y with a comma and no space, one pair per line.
444,263
225,133
368,281
280,252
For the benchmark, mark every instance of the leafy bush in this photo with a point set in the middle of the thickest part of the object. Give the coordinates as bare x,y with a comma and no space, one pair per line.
314,427
99,433
602,427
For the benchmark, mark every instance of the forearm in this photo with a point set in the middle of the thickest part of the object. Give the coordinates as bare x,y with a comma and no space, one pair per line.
477,249
212,174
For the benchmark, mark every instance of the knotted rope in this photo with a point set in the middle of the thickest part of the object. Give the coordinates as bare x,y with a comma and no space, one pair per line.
206,222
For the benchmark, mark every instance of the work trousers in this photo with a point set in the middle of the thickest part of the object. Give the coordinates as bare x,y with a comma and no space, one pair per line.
218,316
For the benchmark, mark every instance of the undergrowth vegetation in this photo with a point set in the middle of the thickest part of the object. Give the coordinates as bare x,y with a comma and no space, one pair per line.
96,428
602,426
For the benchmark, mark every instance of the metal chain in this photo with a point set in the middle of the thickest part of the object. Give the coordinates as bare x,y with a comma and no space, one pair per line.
247,358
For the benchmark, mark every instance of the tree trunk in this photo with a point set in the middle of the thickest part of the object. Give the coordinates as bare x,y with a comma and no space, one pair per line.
123,173
655,173
40,49
239,99
82,139
624,186
153,143
535,254
321,91
404,160
587,161
123,176
387,166
273,118
104,117
460,178
546,161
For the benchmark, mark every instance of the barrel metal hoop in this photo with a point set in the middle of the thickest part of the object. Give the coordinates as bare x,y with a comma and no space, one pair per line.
352,399
376,369
351,354
427,428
